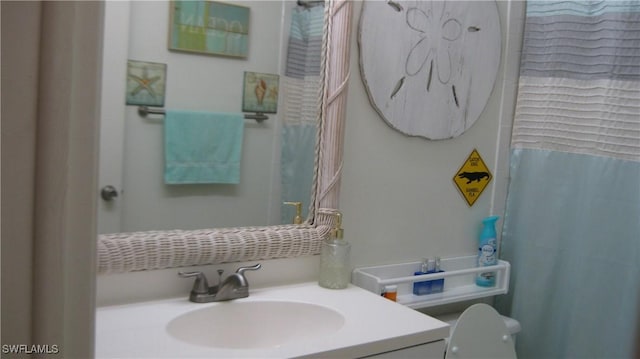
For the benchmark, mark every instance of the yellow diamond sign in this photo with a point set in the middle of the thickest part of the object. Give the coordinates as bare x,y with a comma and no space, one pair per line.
472,178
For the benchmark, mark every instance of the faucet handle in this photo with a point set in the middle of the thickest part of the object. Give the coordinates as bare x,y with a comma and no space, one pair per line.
200,286
241,270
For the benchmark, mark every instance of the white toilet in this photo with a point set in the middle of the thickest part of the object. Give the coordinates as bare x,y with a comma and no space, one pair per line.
480,332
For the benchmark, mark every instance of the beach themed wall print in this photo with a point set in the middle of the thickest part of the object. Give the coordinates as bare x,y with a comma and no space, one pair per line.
429,67
146,83
260,92
209,27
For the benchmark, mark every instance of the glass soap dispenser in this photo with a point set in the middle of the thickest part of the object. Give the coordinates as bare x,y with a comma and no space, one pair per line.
335,268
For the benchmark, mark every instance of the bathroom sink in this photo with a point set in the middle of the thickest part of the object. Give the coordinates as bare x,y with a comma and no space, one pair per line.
291,321
252,325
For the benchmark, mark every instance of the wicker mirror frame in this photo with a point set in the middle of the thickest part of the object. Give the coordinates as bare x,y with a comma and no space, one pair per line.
150,250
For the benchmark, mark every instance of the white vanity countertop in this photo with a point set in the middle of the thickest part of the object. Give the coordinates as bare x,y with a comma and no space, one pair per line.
372,325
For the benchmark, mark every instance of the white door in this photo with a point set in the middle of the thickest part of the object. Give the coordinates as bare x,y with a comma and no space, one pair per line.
112,113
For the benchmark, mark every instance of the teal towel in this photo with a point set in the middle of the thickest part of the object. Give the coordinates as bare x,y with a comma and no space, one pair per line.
202,147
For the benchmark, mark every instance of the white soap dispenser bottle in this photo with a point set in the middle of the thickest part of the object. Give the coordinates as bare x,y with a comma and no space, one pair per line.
335,270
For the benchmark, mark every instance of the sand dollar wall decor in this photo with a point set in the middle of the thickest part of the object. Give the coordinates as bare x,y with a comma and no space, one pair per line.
429,66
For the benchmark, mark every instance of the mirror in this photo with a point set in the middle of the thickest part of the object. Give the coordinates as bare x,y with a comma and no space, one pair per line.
277,155
156,249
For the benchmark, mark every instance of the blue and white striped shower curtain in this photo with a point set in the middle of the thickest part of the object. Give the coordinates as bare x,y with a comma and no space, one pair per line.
300,88
572,224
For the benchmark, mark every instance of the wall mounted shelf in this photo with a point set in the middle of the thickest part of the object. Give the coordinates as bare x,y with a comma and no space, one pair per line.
459,285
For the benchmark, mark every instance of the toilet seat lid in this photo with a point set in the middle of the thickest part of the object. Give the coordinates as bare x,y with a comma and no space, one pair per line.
480,332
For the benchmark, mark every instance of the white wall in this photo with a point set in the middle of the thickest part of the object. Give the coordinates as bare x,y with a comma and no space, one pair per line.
200,83
397,194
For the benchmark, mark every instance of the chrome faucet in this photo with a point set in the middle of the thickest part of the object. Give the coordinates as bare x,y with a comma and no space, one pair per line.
233,287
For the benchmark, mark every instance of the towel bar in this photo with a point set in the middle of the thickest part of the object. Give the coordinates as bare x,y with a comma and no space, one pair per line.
144,111
310,3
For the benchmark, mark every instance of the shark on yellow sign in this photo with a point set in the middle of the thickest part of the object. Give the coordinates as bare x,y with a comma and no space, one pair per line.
472,178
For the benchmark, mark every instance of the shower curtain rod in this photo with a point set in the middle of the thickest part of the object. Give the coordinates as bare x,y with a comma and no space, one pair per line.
144,111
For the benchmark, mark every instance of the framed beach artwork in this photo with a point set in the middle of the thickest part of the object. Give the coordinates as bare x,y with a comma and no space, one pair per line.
209,27
260,93
146,83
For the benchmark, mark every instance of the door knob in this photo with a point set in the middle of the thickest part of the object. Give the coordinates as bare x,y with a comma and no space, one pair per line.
108,193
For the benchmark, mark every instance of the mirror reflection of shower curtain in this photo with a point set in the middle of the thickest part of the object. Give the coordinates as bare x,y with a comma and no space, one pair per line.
300,86
572,223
